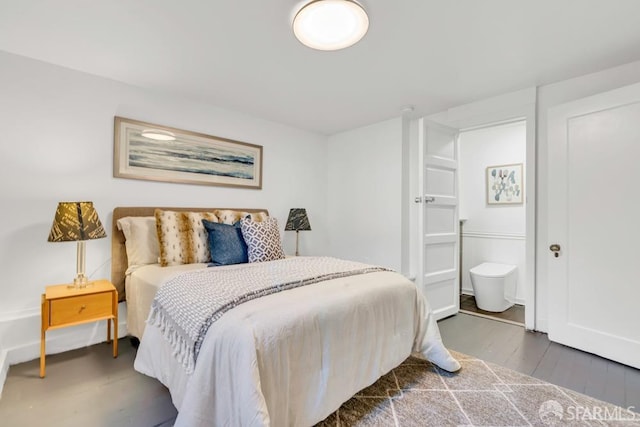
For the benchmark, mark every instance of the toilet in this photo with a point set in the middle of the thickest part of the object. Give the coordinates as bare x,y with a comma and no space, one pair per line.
494,286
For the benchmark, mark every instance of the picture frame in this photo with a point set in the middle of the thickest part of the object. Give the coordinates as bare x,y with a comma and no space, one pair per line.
154,152
504,184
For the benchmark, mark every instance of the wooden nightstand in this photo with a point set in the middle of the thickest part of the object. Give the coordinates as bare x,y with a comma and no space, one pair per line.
64,306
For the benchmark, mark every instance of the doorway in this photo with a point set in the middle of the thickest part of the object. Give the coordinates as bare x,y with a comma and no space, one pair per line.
492,167
502,110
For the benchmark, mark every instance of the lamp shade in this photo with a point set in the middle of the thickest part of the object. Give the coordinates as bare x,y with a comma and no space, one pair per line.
298,220
76,221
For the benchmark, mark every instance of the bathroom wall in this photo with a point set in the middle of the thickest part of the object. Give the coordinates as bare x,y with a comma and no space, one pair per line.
491,233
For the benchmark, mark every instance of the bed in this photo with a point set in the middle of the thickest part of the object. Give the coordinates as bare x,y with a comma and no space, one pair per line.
289,358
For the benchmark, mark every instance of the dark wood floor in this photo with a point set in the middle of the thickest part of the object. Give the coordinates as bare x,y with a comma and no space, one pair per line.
513,314
87,387
533,354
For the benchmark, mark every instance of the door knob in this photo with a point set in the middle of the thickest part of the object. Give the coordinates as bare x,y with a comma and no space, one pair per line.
555,248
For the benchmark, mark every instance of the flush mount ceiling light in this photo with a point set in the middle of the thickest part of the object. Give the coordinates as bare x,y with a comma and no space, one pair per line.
158,135
330,24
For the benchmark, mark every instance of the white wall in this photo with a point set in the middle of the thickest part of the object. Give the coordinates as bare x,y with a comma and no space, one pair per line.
480,148
491,233
365,192
57,144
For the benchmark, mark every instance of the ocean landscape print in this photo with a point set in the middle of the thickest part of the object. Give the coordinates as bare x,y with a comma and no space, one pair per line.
152,152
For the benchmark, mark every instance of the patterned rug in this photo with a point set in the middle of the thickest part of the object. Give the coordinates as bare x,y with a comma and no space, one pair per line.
418,394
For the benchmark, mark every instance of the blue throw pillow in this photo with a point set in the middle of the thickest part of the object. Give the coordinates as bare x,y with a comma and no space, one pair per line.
226,244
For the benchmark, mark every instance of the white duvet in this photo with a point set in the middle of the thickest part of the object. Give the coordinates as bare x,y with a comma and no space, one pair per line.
141,285
292,358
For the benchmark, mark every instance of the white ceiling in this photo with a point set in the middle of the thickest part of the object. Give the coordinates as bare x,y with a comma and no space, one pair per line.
242,55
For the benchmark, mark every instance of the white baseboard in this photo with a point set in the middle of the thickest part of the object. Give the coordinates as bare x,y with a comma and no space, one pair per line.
23,343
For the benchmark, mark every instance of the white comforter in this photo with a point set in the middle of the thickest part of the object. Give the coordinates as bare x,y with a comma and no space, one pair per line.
292,358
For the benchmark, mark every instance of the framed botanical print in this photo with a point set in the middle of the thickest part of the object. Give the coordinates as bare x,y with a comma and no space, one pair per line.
504,184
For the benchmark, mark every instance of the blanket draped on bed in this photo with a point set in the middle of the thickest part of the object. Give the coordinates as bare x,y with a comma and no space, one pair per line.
185,307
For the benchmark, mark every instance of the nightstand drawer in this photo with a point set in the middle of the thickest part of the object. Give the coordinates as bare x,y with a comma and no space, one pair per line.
80,308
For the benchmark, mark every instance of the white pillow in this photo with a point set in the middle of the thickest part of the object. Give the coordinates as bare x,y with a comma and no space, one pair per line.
141,239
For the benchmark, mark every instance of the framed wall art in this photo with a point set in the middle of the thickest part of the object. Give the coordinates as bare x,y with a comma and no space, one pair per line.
504,184
160,153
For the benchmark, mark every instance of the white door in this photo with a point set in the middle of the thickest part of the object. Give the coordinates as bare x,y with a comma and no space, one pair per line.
594,224
438,219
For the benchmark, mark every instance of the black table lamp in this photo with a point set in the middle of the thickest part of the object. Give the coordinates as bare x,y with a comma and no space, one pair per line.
297,221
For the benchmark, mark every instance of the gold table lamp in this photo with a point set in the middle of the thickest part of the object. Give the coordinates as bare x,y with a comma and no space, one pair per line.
77,222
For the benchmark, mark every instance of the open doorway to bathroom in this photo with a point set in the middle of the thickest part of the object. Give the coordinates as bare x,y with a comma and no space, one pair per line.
492,162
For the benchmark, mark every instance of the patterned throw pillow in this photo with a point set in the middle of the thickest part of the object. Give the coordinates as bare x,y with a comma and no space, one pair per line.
172,237
226,244
263,239
228,216
197,237
184,240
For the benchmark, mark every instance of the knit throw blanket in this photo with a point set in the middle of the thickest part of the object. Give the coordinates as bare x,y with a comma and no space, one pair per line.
187,305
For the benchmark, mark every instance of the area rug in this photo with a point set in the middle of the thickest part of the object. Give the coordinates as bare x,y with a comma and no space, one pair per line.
418,394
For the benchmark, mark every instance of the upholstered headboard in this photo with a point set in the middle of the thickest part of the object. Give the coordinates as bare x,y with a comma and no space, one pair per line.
118,252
